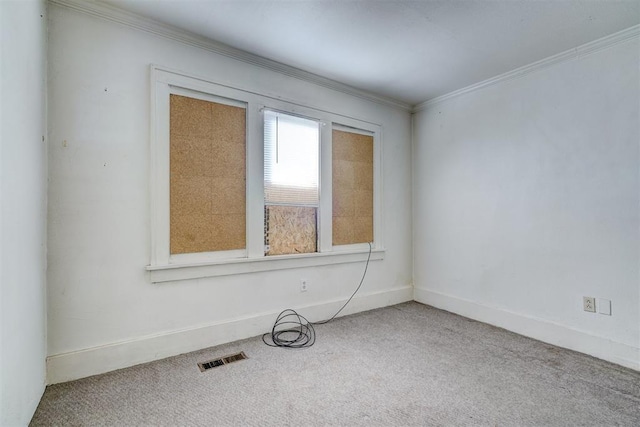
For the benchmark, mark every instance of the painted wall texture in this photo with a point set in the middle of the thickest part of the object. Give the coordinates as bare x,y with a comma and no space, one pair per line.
526,198
23,195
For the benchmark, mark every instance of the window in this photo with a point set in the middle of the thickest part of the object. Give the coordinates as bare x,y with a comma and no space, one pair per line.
207,176
244,182
291,177
352,182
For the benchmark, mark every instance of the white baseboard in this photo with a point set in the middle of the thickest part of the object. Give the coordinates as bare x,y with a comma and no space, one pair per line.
543,330
97,360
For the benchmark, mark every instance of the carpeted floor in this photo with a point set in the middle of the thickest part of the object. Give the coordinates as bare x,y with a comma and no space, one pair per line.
409,364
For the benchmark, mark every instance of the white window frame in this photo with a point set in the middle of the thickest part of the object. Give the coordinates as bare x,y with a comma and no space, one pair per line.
163,201
164,267
374,131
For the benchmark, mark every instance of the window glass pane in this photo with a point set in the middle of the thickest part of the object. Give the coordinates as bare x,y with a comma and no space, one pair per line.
291,158
291,169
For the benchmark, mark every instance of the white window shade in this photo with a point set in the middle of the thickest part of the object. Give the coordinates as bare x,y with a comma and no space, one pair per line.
291,160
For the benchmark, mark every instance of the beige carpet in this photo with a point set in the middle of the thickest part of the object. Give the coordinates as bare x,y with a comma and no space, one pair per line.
408,364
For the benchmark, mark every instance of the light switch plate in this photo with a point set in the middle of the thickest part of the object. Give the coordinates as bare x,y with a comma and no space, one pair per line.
604,306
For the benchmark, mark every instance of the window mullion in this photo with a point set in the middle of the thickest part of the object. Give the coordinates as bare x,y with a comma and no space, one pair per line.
378,219
255,190
326,204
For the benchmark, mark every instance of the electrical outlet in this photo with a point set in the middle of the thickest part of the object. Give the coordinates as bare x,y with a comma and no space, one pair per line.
589,304
303,285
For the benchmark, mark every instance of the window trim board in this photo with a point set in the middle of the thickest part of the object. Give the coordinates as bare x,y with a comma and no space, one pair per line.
177,272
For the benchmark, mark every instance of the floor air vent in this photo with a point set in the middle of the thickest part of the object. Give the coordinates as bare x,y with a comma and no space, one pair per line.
205,366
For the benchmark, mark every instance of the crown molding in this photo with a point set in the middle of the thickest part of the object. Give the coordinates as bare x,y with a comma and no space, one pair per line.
132,20
577,52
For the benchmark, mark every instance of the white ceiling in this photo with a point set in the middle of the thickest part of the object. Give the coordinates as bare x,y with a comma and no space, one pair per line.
411,51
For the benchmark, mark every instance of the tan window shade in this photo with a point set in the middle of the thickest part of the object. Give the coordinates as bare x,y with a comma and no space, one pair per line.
207,179
352,178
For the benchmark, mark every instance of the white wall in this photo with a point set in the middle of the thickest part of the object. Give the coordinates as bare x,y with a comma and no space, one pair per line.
103,311
23,178
526,199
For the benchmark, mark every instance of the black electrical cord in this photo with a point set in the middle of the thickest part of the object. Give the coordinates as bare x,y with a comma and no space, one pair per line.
293,330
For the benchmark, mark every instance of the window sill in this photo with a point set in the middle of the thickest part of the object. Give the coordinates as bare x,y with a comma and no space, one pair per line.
175,272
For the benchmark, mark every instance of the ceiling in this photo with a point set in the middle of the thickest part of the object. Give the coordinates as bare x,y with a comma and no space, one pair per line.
410,51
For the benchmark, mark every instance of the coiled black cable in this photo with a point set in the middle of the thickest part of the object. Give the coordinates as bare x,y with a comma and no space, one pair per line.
293,330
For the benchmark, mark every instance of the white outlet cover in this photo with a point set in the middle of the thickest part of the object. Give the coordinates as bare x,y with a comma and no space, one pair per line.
604,306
